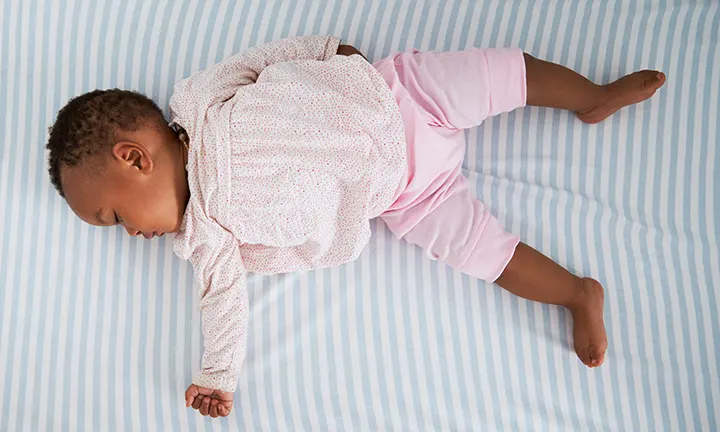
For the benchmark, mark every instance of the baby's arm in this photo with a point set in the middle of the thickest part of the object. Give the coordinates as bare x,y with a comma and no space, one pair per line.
215,256
254,60
221,81
224,309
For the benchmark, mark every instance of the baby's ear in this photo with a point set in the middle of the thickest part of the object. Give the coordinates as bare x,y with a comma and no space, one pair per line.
133,155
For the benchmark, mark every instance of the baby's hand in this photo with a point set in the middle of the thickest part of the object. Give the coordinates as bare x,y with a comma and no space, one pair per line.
214,403
348,50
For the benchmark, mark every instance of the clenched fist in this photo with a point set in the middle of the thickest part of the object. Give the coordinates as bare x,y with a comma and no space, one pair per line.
214,403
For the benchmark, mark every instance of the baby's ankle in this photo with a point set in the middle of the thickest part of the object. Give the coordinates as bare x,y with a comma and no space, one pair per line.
581,298
590,295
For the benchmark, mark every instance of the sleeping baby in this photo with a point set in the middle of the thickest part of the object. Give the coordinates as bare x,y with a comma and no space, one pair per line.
276,160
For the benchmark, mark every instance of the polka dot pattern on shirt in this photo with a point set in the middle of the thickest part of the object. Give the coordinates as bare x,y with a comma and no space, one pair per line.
292,151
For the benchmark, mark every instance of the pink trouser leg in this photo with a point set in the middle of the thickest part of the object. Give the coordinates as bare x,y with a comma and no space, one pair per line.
439,94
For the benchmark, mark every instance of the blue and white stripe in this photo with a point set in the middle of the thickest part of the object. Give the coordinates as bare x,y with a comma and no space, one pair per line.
100,331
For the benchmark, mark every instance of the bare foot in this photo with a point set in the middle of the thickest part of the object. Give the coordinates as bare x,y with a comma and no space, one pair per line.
628,90
589,326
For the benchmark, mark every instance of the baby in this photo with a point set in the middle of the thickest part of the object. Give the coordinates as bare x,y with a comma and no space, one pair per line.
276,160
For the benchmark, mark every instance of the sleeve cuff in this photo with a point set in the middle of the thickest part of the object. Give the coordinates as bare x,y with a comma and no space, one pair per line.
331,47
222,381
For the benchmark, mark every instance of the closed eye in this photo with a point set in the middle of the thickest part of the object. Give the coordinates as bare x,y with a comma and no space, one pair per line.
117,219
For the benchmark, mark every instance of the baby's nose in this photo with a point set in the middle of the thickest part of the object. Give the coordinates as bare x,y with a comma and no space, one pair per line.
132,232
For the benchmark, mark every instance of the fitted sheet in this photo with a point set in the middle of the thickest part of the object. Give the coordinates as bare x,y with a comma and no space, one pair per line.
100,331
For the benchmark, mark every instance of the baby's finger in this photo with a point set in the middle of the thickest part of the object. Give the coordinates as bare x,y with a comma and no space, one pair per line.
197,402
214,408
190,395
205,406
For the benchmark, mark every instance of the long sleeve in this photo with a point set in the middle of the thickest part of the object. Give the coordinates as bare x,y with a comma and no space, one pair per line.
248,65
218,266
221,81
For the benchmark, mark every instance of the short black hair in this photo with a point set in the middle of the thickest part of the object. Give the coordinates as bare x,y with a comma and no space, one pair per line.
87,124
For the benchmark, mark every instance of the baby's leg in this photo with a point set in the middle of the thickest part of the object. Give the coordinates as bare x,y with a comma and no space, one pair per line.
439,91
534,276
555,86
454,227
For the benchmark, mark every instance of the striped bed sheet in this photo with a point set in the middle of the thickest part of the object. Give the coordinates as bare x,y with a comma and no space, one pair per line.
100,331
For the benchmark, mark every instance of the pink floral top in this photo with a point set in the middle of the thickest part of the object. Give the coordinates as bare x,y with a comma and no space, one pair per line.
292,151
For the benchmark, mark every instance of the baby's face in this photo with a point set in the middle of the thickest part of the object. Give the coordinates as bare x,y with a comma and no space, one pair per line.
142,184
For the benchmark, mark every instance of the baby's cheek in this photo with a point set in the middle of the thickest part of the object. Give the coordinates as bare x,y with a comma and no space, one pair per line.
170,215
159,206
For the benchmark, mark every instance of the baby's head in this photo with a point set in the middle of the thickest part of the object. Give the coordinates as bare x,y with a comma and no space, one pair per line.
115,160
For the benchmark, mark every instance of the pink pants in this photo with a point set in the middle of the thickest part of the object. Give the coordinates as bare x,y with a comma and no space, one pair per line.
439,95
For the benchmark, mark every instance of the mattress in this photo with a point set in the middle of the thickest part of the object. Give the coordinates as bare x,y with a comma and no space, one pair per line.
100,331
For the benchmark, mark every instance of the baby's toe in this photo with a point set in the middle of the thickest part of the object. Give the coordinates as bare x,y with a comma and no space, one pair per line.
584,355
597,355
653,79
